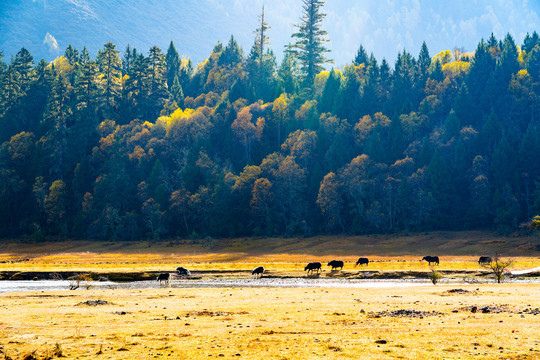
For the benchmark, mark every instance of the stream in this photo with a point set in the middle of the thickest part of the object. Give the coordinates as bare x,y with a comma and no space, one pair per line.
55,285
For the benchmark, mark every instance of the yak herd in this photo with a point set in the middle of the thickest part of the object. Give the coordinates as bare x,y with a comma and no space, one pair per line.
315,267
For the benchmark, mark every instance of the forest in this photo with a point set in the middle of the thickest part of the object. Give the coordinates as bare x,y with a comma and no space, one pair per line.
146,145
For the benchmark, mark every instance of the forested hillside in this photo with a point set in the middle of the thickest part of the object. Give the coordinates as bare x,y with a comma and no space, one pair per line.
144,144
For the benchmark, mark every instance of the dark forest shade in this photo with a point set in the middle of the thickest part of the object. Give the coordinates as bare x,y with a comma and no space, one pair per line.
144,146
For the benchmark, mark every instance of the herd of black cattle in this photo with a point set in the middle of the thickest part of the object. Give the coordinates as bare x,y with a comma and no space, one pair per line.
316,266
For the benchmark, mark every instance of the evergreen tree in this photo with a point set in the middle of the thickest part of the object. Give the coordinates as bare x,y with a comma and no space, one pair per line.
530,42
23,64
157,83
173,64
232,54
288,73
330,92
72,55
437,72
110,66
85,56
310,38
56,117
533,64
177,93
260,64
361,57
423,64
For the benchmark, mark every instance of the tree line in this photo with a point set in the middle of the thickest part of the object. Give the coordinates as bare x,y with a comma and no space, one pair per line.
135,145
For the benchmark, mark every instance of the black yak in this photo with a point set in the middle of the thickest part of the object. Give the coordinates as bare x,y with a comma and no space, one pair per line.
431,259
258,271
362,261
313,266
336,264
163,277
484,260
182,271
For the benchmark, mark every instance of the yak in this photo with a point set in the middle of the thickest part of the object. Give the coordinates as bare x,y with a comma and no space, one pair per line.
313,266
163,277
431,259
362,261
336,264
182,271
258,271
484,260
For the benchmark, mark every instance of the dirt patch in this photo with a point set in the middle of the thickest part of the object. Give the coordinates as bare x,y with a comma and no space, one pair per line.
458,291
214,313
94,302
487,309
530,311
404,313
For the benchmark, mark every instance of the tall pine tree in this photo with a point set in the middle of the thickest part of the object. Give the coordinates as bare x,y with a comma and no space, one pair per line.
310,39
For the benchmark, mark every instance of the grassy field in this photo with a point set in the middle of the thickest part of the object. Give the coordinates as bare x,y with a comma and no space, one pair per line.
420,322
458,251
423,322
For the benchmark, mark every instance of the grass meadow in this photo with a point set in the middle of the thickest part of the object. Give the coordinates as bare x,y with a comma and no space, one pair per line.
466,321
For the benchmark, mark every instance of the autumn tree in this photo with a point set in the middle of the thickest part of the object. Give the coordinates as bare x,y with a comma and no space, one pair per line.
246,130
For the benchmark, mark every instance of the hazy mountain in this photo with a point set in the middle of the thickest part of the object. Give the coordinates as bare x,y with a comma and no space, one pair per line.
384,27
47,27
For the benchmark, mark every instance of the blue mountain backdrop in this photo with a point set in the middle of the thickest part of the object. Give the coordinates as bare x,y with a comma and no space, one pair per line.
385,27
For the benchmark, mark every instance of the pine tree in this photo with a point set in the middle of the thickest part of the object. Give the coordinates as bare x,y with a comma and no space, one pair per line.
361,57
72,55
56,117
110,66
23,64
310,38
288,74
261,64
85,56
173,64
530,42
422,67
177,93
232,54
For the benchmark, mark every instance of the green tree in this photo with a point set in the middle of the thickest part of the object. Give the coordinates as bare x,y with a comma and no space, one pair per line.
288,73
110,66
55,206
157,83
330,201
172,60
361,57
310,39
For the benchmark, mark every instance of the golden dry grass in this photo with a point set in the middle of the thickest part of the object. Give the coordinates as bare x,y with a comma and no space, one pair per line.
273,323
457,250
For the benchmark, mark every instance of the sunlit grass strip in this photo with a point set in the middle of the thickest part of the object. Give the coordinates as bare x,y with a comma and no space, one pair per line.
329,323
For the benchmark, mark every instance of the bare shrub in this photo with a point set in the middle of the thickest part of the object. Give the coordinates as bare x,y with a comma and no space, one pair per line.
498,267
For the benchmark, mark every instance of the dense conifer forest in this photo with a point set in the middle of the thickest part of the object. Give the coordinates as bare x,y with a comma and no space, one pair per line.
146,145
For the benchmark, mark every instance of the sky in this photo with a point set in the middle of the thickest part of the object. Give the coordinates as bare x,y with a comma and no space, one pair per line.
384,27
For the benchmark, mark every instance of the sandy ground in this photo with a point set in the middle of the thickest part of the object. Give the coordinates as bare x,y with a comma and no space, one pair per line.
424,322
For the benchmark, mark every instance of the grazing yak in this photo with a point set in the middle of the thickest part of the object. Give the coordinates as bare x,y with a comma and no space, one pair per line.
362,261
484,260
431,259
313,266
336,264
163,277
182,271
258,271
